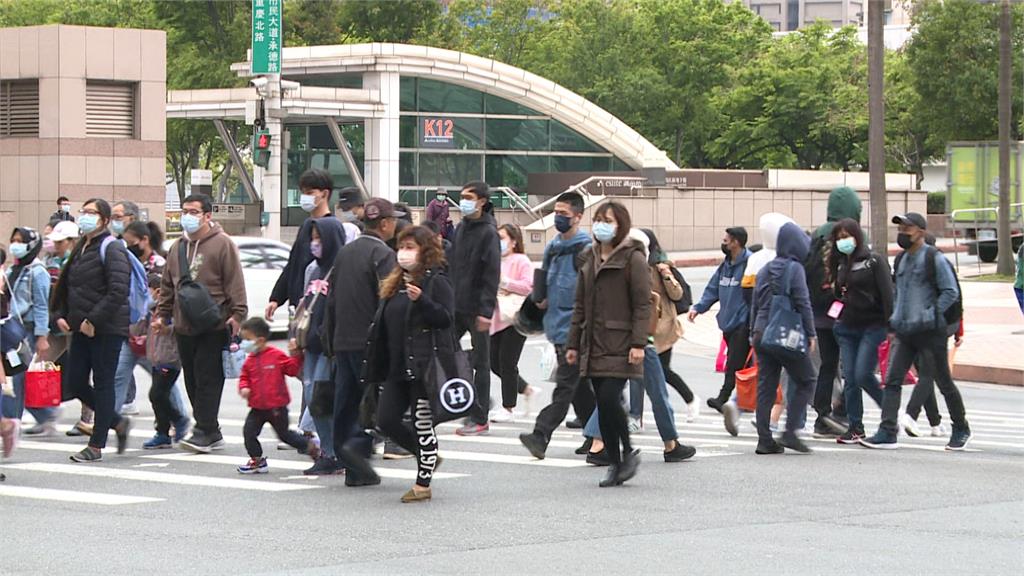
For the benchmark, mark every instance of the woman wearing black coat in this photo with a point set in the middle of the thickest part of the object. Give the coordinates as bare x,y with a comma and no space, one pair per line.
413,325
92,303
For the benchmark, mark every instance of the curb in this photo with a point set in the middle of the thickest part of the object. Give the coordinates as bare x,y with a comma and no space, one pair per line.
701,261
989,375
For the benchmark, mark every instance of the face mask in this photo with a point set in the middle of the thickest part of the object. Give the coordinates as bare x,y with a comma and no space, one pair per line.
467,207
247,346
904,241
117,227
563,223
189,223
348,216
316,248
726,250
88,223
65,208
19,250
604,232
307,202
49,246
504,246
136,251
846,245
408,259
441,197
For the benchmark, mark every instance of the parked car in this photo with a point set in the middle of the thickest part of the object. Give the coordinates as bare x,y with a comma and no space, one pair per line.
263,260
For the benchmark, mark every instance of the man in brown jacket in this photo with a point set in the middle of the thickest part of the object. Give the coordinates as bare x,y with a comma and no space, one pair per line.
214,263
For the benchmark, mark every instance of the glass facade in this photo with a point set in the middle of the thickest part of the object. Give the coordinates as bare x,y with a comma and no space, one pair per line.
449,135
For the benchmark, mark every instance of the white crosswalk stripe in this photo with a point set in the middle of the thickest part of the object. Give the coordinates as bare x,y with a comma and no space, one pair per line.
78,497
283,464
160,477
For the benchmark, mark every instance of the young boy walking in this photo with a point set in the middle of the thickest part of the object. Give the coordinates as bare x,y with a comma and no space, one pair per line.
262,384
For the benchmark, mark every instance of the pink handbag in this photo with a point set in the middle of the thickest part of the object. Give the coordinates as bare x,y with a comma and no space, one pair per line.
723,354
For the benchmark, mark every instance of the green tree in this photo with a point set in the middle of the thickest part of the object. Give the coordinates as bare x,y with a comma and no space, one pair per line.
908,143
506,31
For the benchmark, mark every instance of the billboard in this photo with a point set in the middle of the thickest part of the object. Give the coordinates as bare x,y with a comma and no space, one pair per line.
437,133
973,179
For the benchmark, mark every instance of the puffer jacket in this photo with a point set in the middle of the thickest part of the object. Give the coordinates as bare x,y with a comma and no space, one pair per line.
612,311
94,290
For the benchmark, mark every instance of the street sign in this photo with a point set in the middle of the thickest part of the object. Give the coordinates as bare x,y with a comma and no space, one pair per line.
267,40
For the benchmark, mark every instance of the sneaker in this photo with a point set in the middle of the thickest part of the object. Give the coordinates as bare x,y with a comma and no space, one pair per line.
793,442
87,456
635,427
598,458
535,444
530,394
582,450
958,441
574,424
731,416
358,471
42,430
909,425
938,431
501,416
773,448
123,431
284,446
217,443
158,442
693,409
325,466
9,435
880,441
833,423
474,429
181,429
130,409
80,429
393,451
254,466
851,437
198,443
715,404
679,453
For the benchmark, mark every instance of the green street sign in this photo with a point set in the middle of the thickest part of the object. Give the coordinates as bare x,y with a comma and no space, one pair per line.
267,40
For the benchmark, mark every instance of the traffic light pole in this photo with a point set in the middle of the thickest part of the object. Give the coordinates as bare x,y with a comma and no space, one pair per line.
236,160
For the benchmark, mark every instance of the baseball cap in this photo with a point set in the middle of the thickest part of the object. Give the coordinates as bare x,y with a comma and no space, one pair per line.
379,208
350,197
63,231
911,219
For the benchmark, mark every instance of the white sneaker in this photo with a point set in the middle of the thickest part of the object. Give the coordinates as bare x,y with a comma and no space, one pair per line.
530,394
130,409
634,426
501,416
909,425
938,431
693,409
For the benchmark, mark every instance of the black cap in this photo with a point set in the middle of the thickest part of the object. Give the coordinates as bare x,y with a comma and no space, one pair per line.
350,197
379,208
911,219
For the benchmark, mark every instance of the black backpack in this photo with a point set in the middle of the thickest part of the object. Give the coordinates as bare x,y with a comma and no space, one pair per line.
194,300
819,290
684,303
955,313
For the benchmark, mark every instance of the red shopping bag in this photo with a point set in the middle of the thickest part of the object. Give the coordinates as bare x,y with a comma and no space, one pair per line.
746,387
883,365
723,354
42,386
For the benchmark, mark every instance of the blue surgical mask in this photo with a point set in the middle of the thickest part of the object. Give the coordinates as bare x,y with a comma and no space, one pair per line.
504,246
247,346
19,250
467,207
88,223
117,227
307,202
604,232
563,223
846,245
316,249
189,223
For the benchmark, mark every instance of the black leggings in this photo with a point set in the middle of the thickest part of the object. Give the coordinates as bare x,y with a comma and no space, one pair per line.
611,416
278,419
506,349
160,397
674,380
395,400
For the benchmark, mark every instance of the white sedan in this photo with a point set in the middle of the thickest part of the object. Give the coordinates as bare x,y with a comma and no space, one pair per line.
263,260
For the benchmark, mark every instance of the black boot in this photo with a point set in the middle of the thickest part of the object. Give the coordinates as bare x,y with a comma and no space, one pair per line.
630,463
611,477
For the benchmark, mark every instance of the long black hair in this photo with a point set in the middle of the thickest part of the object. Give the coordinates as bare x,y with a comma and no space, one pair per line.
853,230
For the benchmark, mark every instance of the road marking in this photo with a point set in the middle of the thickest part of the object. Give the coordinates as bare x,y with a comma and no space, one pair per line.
153,465
290,465
511,459
73,496
161,477
65,447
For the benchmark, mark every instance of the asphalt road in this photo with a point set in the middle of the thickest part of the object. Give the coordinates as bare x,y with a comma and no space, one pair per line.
841,510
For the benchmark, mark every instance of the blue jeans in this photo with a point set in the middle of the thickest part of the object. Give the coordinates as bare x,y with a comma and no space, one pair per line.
657,388
15,407
636,398
317,368
858,348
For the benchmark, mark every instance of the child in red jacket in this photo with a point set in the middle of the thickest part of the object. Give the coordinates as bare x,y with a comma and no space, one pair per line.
262,385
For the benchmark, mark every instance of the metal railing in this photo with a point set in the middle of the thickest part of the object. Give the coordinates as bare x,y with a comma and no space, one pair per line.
544,222
994,209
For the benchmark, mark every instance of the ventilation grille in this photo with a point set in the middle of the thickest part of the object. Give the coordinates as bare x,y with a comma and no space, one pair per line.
109,110
19,109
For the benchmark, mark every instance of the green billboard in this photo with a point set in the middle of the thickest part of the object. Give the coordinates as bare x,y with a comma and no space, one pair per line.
973,179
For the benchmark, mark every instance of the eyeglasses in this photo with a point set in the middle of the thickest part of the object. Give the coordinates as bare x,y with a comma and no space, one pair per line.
88,211
192,212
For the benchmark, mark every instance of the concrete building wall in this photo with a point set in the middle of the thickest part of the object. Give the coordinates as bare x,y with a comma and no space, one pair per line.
64,159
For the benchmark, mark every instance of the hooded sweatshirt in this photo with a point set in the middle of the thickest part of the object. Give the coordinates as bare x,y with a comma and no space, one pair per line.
770,225
290,286
726,287
843,202
560,262
475,266
792,248
332,238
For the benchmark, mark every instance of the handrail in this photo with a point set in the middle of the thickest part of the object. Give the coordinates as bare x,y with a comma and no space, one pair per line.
576,187
515,199
953,215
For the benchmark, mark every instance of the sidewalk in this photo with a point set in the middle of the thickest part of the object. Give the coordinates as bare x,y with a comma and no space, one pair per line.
698,258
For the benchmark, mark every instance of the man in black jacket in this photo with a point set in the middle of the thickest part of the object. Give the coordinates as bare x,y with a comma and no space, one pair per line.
315,186
475,264
351,306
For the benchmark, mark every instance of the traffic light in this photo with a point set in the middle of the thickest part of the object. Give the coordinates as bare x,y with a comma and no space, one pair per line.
261,148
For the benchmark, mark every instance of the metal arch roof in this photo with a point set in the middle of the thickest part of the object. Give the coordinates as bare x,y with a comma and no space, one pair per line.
485,75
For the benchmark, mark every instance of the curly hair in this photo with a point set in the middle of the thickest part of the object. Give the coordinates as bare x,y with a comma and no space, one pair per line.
431,256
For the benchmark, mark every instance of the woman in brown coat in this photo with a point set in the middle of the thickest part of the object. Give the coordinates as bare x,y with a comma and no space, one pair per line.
609,329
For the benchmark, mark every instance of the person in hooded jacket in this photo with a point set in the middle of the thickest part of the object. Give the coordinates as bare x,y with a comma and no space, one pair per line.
29,285
843,202
327,236
610,323
412,326
784,274
863,303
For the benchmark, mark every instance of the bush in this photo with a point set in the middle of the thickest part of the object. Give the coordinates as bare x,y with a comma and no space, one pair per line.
937,202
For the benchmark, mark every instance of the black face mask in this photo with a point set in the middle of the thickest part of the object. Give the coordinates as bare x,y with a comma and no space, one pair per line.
904,241
726,250
136,251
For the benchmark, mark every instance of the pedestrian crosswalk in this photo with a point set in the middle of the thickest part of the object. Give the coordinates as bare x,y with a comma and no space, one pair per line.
138,473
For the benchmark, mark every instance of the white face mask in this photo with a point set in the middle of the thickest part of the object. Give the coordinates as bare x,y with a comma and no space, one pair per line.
408,259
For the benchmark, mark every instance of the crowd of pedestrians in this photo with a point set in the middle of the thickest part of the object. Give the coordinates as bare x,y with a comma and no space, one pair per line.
379,307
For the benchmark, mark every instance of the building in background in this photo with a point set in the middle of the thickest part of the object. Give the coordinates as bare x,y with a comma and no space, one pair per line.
790,15
82,116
